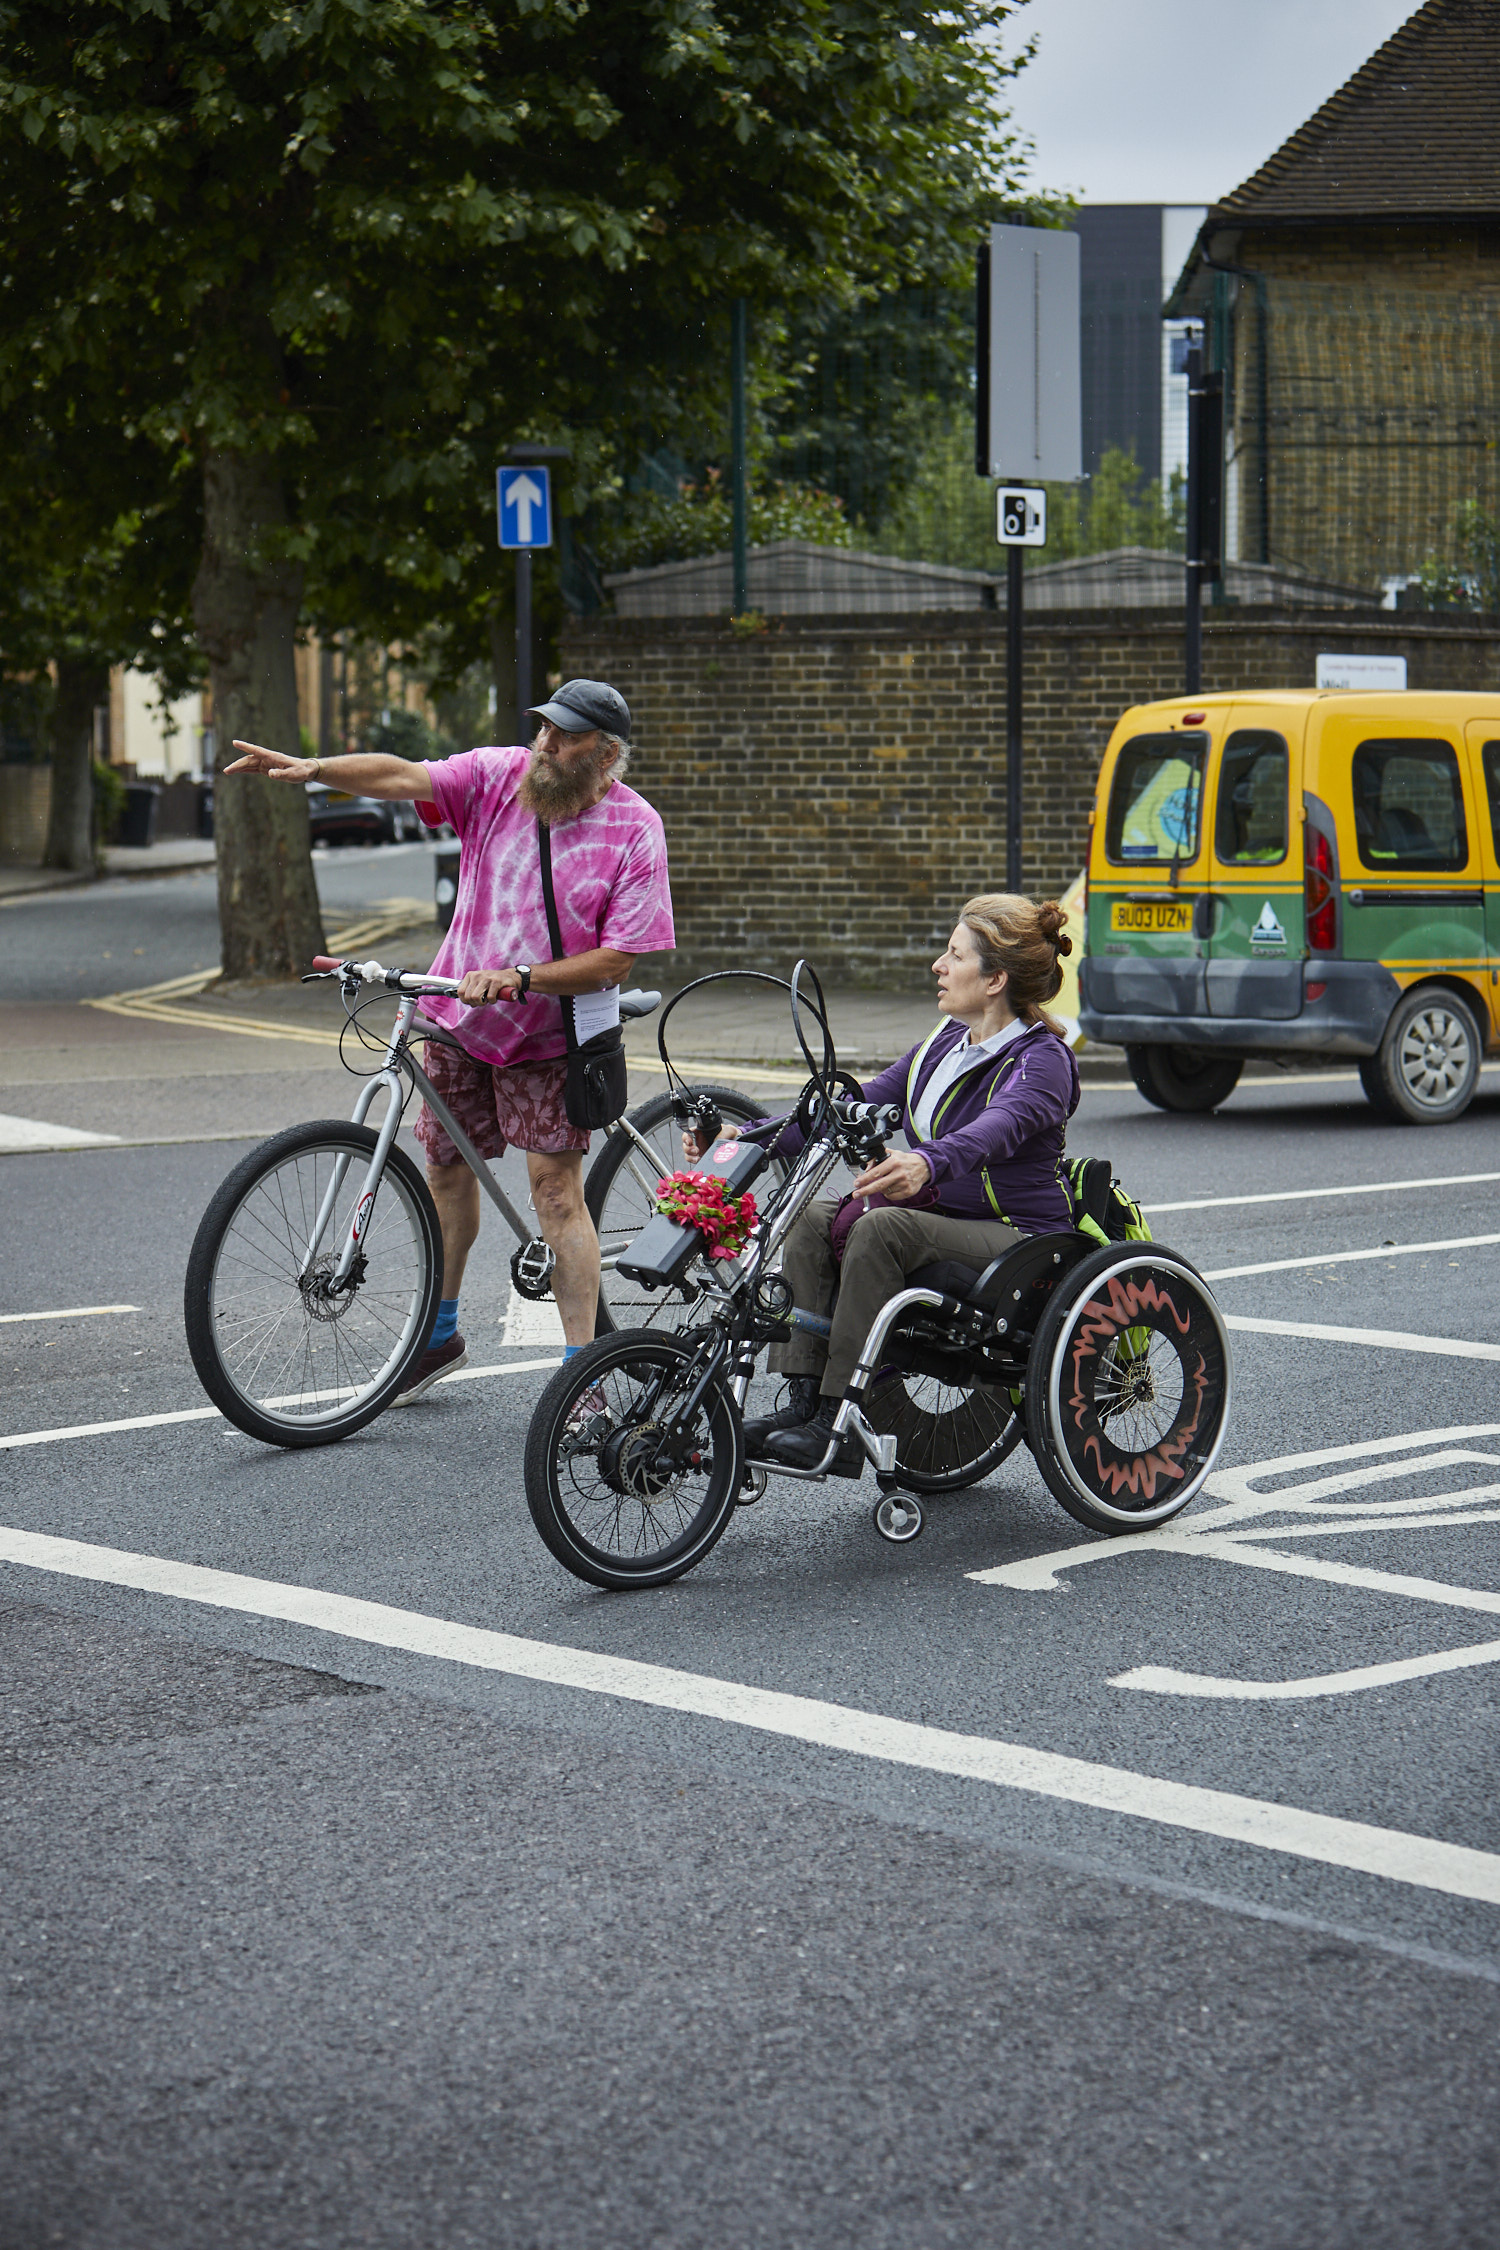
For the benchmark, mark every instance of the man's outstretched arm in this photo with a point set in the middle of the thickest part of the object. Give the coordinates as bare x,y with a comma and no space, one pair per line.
362,773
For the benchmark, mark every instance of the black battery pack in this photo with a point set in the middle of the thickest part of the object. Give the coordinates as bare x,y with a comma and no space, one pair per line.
664,1249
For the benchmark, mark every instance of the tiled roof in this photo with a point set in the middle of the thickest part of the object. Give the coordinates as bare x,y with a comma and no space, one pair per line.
1415,132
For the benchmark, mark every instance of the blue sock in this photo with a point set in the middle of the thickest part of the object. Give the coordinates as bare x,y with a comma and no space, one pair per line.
445,1324
571,1351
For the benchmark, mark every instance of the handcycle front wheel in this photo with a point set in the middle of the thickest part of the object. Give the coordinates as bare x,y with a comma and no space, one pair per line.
1128,1387
620,1194
609,1501
284,1352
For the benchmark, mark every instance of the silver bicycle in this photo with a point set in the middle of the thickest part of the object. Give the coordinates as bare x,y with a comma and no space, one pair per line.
315,1274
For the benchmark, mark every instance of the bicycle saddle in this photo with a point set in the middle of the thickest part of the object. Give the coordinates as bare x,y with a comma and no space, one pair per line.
634,1004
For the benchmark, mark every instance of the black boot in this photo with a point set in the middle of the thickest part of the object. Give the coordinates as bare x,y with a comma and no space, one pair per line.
804,1448
800,1408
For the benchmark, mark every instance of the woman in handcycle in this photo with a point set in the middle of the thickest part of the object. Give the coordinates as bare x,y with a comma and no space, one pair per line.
985,1102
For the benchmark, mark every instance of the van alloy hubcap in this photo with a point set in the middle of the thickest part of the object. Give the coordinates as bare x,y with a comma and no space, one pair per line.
1435,1056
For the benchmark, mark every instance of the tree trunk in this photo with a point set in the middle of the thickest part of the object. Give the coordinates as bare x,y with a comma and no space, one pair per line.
245,610
81,685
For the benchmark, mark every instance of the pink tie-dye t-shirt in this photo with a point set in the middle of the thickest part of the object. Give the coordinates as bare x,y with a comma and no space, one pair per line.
609,873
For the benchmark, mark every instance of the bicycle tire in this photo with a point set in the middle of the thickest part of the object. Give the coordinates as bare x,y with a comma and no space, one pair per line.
245,1285
619,1201
1128,1308
610,1492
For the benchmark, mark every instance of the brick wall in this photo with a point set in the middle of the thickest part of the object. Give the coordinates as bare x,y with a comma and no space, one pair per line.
836,787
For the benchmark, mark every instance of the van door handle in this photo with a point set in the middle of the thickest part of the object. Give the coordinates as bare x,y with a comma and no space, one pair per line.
1203,915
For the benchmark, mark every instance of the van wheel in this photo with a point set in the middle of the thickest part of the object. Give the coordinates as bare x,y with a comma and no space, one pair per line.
1183,1078
1427,1069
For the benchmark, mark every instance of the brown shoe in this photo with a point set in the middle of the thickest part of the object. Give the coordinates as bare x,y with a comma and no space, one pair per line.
432,1367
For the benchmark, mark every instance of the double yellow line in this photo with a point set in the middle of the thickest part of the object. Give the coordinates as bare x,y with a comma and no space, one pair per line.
163,1003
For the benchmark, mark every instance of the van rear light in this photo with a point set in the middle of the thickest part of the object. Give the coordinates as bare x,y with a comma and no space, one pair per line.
1316,990
1321,903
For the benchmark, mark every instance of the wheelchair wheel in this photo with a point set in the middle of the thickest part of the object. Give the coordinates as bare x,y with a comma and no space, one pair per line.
948,1435
620,1192
1128,1389
606,1504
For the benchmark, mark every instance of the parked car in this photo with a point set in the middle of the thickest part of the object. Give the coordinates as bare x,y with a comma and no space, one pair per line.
336,817
1299,873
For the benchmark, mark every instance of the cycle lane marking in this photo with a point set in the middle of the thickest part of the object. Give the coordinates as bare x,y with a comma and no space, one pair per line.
1352,1257
1373,1339
212,1414
1231,1533
1426,1862
1314,1194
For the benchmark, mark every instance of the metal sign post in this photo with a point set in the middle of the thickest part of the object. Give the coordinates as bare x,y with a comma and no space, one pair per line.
1030,427
523,506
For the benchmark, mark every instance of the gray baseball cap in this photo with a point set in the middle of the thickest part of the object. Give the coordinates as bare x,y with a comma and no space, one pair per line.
581,704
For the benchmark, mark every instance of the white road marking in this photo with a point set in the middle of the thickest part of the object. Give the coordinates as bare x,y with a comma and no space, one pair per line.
68,1312
1316,1194
212,1414
1353,1257
1457,1870
1375,1339
530,1321
1161,1679
20,1134
1235,1532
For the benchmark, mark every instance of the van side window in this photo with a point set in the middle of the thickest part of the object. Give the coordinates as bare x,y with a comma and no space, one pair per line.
1250,822
1409,806
1492,787
1155,798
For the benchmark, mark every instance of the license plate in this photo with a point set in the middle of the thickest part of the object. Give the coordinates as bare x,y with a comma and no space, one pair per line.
1151,918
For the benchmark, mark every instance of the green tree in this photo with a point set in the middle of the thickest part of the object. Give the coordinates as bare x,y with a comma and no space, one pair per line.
344,250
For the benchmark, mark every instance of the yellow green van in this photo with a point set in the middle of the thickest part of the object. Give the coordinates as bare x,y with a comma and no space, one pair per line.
1298,873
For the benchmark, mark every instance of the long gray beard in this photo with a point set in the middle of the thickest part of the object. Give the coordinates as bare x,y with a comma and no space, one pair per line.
553,792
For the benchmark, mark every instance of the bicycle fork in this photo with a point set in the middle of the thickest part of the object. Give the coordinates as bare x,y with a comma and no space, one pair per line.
389,1078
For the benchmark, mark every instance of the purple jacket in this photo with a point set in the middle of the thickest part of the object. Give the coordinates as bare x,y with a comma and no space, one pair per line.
999,1130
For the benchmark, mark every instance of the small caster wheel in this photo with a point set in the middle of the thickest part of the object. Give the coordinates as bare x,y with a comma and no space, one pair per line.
752,1487
898,1517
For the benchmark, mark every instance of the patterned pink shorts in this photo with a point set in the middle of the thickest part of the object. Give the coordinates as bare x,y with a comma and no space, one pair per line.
516,1105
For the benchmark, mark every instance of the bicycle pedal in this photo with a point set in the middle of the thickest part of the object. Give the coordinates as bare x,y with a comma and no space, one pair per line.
531,1269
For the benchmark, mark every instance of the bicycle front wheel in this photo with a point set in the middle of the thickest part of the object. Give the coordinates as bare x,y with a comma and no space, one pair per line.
618,1503
620,1192
281,1347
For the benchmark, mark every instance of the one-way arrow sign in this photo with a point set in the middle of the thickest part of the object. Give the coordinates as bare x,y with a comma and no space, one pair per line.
524,500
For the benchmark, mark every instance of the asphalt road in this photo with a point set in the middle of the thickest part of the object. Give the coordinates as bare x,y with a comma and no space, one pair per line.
350,1928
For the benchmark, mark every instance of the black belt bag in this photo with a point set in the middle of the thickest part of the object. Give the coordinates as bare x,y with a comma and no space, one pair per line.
597,1088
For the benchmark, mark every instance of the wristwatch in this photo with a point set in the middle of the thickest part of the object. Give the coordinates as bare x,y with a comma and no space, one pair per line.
525,983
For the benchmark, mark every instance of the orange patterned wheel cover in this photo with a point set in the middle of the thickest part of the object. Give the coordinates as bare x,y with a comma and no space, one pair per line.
1143,1383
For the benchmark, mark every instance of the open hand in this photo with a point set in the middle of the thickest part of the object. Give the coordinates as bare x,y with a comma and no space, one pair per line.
897,1178
274,764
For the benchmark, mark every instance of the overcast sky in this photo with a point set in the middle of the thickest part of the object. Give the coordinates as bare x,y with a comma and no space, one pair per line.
1177,101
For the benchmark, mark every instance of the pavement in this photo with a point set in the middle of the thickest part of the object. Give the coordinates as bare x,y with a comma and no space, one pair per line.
370,1881
172,856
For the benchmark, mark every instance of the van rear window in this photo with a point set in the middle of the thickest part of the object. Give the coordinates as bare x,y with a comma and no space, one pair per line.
1250,824
1155,799
1409,806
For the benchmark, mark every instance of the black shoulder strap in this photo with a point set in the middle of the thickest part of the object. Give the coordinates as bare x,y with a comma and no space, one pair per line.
554,931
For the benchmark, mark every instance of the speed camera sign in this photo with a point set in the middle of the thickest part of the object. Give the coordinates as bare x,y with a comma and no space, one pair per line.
1020,516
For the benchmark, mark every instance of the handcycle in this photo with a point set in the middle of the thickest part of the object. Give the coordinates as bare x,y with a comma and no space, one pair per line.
314,1278
1111,1361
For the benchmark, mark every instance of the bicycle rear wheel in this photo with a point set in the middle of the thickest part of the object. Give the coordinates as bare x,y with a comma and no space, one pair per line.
282,1352
620,1193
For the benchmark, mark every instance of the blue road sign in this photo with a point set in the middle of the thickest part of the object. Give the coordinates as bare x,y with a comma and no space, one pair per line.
523,494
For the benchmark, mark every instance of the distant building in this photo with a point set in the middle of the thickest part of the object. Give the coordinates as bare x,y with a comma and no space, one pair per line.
1351,295
1134,389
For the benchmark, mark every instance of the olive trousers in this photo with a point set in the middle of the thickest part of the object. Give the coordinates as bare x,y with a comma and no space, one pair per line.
884,1248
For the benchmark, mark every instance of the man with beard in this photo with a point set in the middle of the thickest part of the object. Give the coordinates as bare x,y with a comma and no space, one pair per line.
609,870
